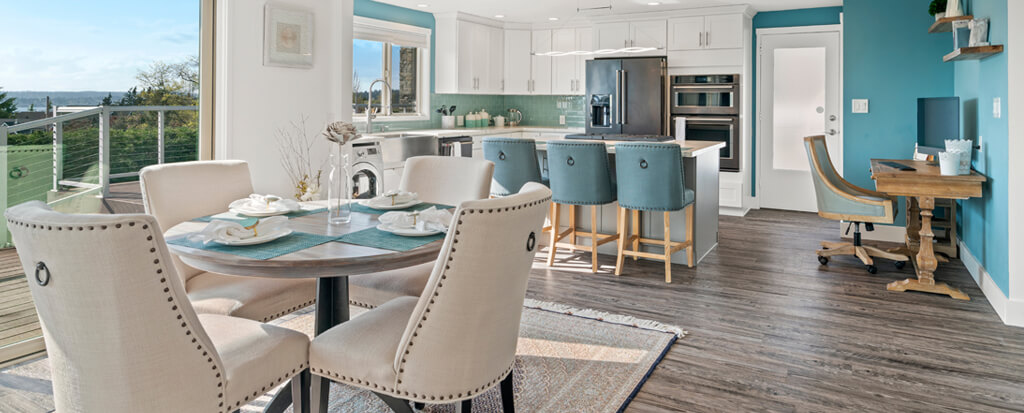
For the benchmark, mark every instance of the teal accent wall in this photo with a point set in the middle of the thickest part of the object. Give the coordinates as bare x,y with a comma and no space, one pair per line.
537,110
890,59
785,18
984,221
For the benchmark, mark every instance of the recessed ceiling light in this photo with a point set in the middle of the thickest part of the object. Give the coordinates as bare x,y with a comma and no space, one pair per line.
499,16
423,6
553,18
653,3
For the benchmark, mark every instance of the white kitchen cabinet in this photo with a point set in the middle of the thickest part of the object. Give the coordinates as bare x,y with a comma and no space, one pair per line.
723,31
470,56
563,68
540,75
518,62
647,33
686,33
584,41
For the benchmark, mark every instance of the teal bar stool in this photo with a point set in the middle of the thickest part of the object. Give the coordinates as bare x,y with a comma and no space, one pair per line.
653,178
580,175
515,164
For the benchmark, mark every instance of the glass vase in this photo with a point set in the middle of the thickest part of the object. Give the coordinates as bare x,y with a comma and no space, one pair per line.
339,193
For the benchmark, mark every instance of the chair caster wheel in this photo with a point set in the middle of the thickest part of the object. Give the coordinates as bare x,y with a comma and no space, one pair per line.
823,260
873,269
900,265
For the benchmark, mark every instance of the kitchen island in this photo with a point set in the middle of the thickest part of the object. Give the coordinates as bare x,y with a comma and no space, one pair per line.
701,170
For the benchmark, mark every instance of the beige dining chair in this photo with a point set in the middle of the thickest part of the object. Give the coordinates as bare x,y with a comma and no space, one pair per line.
457,339
437,179
178,192
119,331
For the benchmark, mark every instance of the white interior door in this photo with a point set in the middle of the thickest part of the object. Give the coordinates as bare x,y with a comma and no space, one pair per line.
799,75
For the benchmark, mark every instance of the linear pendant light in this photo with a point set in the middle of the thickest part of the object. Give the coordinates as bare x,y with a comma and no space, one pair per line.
599,52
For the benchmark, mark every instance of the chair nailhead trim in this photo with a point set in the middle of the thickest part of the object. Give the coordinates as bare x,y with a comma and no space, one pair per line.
288,311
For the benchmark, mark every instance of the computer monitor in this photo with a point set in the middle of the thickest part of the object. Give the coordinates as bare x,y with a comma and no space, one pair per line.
938,119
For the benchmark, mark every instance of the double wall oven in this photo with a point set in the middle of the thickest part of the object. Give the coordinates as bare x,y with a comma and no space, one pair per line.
711,106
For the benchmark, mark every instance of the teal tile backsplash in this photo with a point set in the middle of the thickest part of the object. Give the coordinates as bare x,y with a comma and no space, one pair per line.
537,110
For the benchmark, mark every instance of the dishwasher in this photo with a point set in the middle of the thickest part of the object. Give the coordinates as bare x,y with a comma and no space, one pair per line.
455,146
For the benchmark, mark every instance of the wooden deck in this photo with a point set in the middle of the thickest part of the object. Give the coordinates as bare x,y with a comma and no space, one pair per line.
18,321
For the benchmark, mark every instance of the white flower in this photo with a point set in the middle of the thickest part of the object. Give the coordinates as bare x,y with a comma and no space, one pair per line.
340,132
312,194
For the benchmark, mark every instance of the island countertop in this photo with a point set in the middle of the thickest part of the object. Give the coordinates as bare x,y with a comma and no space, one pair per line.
690,148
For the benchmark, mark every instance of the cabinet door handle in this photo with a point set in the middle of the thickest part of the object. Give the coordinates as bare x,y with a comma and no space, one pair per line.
700,39
707,38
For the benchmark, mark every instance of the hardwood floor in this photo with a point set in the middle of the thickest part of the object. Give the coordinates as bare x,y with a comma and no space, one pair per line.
772,330
18,319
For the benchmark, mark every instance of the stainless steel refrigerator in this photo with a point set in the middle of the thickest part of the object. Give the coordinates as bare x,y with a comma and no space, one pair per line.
627,96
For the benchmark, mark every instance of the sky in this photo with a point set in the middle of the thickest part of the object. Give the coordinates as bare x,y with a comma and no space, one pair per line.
74,45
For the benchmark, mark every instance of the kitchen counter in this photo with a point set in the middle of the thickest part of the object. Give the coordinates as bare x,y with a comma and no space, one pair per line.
476,132
690,148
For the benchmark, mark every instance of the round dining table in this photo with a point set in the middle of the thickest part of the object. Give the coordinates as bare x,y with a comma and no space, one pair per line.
329,263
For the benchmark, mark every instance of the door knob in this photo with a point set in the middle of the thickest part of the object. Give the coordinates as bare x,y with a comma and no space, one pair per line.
832,118
832,132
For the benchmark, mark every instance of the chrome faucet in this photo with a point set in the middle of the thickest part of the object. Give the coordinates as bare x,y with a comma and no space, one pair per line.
370,112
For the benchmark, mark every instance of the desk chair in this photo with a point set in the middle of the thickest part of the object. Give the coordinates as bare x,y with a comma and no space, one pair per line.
842,201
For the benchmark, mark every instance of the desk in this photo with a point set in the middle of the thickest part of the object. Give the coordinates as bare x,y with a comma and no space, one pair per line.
921,187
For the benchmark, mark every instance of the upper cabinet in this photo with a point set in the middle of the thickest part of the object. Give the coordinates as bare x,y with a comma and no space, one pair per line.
518,62
618,35
724,31
568,72
469,56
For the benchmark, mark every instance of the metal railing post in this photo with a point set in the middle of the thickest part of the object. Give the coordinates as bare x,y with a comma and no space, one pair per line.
58,154
160,137
104,166
4,237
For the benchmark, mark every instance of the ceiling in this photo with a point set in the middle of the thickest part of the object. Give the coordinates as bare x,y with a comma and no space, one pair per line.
537,11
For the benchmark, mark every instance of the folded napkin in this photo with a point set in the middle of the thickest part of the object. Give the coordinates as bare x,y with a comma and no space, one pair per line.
394,198
257,202
430,219
220,230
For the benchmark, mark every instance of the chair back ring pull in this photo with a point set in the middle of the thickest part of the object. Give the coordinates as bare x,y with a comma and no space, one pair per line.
40,269
501,155
531,242
643,164
570,161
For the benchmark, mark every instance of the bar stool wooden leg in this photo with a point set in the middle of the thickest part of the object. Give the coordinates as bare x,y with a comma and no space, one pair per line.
593,238
636,233
690,231
555,210
623,239
668,249
572,226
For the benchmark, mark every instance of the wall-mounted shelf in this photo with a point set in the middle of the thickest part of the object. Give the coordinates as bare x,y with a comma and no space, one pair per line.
945,24
972,53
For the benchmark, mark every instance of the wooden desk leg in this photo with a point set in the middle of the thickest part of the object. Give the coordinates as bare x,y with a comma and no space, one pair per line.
913,238
926,262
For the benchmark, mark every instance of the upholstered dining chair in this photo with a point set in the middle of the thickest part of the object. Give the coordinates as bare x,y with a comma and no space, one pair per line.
177,192
842,201
437,179
119,331
457,339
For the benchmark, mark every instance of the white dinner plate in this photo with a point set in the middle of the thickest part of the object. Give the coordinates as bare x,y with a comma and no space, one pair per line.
257,240
269,212
369,203
408,232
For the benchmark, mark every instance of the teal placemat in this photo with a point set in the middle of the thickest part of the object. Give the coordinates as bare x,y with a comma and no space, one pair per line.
373,237
356,207
295,241
231,216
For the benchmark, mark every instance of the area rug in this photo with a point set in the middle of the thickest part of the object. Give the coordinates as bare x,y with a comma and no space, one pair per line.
567,360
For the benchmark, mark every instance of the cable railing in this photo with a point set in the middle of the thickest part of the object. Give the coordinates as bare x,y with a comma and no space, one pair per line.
78,153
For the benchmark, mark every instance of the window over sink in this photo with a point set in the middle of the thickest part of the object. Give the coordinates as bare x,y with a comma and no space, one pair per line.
398,54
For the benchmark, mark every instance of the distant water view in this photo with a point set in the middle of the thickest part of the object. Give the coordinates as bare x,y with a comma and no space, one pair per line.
37,100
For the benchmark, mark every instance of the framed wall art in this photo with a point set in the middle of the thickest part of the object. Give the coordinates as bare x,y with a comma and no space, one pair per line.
287,37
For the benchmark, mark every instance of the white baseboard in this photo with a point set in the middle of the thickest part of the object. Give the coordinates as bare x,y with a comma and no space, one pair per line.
884,233
1011,312
733,211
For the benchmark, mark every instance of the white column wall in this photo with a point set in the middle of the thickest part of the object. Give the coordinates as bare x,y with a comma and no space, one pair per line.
1015,109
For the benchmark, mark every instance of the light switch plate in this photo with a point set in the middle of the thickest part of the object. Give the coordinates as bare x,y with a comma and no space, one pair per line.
997,108
860,106
561,119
